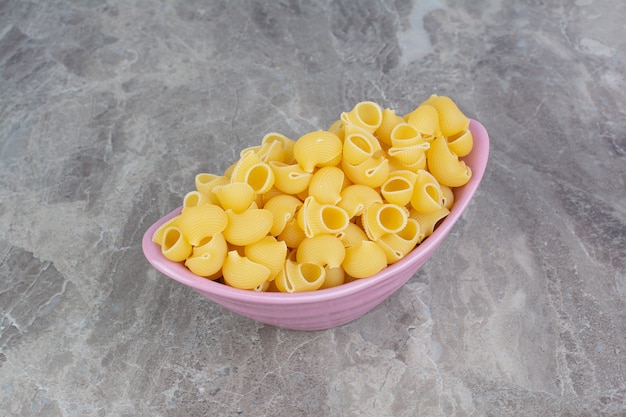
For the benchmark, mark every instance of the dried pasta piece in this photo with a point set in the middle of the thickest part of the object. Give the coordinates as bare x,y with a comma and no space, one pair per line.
364,260
451,119
243,273
157,236
372,172
359,145
427,196
236,196
269,252
448,196
292,233
352,236
334,277
174,246
389,121
247,227
300,277
425,119
326,185
405,135
398,245
268,151
253,171
216,245
206,182
366,115
199,222
429,221
356,198
283,208
383,218
195,198
445,165
317,149
325,250
420,163
409,155
287,145
290,179
316,218
398,188
338,129
207,260
461,143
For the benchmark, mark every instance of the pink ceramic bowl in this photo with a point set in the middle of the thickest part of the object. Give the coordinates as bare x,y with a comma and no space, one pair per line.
330,307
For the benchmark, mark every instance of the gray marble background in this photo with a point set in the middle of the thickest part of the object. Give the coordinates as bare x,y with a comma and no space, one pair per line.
109,108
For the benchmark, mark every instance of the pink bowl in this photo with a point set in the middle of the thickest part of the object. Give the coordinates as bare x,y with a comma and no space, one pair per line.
330,307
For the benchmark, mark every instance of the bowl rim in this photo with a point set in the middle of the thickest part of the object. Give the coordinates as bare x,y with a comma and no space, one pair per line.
178,272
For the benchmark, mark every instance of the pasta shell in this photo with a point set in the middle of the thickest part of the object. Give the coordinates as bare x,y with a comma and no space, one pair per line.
268,151
352,236
461,143
404,135
206,264
380,219
206,182
287,145
420,163
326,185
200,222
316,218
448,196
317,149
283,208
389,121
247,227
253,171
292,234
356,198
366,115
446,166
243,273
300,277
372,172
427,196
451,119
269,252
409,155
398,189
398,245
334,277
236,196
364,260
425,119
429,221
175,247
157,236
195,198
290,179
359,145
325,250
215,245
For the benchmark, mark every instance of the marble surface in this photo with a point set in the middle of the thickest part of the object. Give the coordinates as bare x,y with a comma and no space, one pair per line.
109,108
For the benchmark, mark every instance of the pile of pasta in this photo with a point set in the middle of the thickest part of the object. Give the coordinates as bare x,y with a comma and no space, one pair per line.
332,206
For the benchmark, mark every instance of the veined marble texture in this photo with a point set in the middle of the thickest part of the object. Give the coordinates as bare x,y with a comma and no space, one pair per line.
109,108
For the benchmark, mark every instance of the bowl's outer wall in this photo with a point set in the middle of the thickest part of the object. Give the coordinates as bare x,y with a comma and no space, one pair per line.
330,307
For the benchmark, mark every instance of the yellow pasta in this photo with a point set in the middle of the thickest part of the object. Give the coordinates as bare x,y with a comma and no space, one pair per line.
397,245
448,196
429,221
290,179
325,250
247,227
445,166
253,171
199,222
419,163
427,196
366,115
356,198
372,172
317,149
157,236
287,145
207,260
451,119
268,252
283,207
352,236
268,151
334,277
195,198
243,273
359,145
404,135
380,219
364,260
206,182
398,188
425,119
389,121
326,185
316,218
461,143
300,277
174,246
215,245
292,233
409,155
236,196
